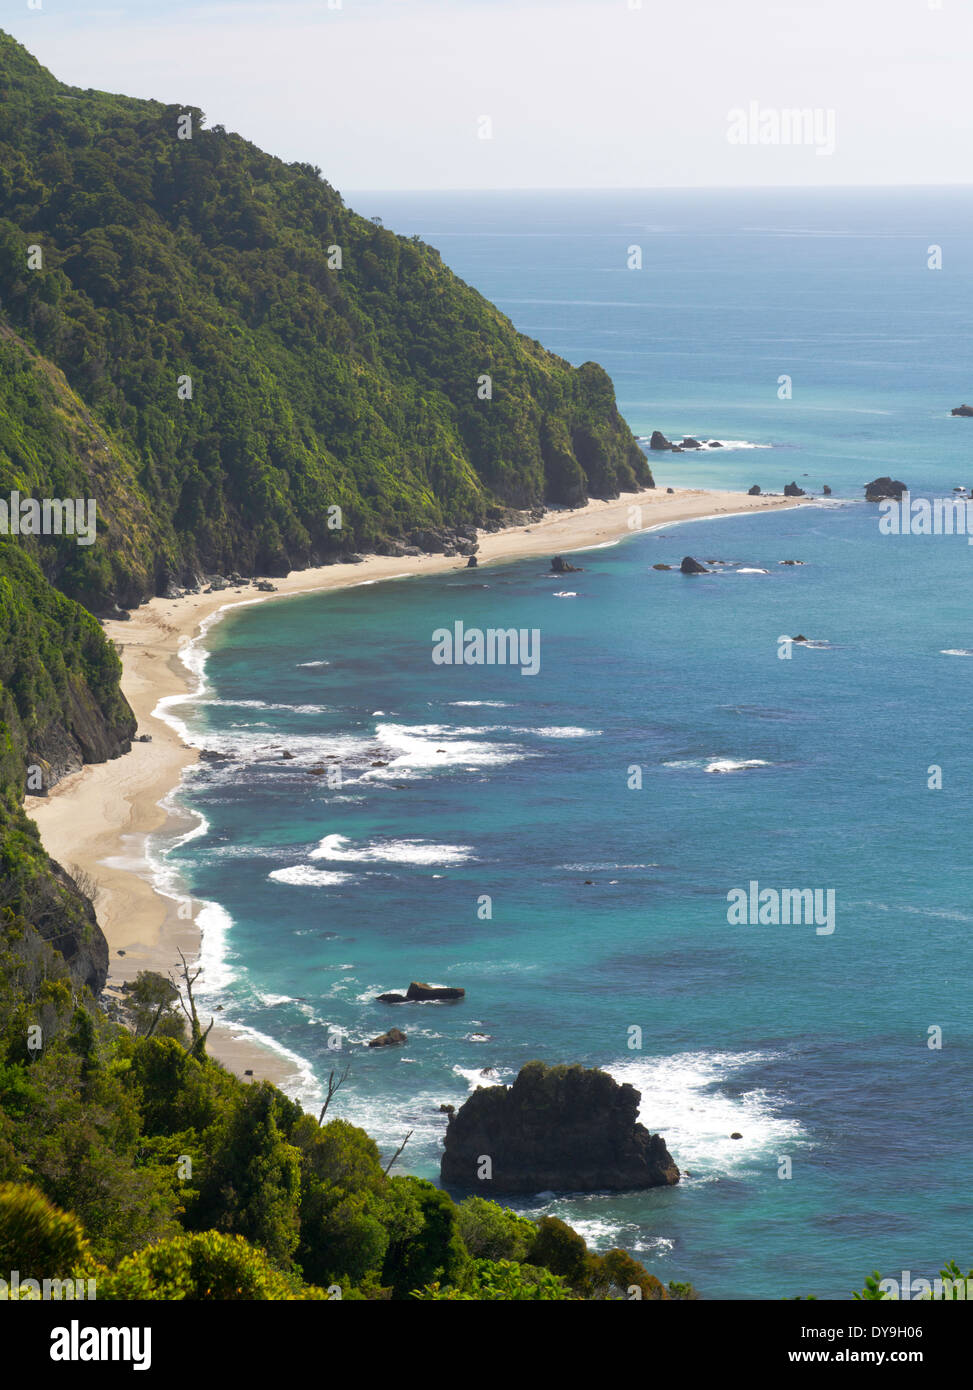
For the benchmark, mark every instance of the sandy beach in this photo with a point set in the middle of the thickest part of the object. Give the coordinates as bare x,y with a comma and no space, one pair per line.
100,818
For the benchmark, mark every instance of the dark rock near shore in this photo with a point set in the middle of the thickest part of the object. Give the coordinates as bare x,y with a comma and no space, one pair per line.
471,563
670,489
560,1129
691,566
659,441
880,488
714,444
754,491
690,443
792,490
962,410
419,993
560,566
826,490
393,1038
662,567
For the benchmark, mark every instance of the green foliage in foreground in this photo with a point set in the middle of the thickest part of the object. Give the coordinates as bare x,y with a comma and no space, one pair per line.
128,1159
951,1285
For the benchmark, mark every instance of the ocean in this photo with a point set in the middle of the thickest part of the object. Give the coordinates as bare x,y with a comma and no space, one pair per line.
563,845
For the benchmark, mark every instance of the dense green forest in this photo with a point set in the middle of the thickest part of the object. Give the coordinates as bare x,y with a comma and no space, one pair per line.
331,363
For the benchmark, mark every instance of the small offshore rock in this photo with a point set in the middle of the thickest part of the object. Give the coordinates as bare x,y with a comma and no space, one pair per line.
881,488
393,1038
419,992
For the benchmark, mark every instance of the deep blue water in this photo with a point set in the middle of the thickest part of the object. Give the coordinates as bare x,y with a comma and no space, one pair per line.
813,1046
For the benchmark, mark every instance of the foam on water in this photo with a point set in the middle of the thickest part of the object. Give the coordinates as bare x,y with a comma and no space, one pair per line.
266,704
215,924
339,847
302,1084
718,764
417,748
491,704
735,765
560,731
484,1076
684,1100
302,875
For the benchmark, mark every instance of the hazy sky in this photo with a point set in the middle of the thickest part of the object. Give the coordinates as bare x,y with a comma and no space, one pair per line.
579,93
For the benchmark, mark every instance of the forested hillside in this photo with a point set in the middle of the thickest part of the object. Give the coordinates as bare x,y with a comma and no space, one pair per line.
330,362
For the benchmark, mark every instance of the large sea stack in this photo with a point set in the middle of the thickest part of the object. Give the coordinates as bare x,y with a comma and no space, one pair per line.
559,1129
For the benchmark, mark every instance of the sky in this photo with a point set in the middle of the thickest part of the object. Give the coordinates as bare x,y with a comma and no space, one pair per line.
427,94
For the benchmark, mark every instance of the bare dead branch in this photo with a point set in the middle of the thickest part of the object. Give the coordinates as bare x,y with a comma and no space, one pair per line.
399,1150
333,1086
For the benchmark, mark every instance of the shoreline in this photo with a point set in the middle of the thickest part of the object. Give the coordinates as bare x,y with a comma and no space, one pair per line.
100,818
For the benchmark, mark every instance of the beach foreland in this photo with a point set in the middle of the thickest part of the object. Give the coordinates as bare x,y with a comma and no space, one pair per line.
99,818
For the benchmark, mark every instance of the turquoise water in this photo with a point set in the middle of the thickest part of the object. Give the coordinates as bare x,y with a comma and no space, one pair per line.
812,1046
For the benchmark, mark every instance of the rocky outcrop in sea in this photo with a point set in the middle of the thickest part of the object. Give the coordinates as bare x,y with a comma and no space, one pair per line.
557,1129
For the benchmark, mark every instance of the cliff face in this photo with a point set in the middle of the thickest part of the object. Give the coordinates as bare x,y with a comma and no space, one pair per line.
60,706
564,1129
